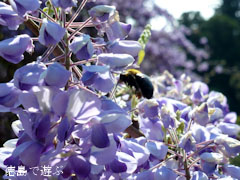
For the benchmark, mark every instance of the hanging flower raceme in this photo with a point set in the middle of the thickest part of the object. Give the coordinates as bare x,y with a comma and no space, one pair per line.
12,49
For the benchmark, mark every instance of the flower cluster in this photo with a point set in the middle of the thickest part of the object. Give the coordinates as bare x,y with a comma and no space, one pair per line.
169,47
74,113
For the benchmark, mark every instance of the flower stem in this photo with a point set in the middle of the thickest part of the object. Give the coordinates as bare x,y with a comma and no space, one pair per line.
77,12
79,28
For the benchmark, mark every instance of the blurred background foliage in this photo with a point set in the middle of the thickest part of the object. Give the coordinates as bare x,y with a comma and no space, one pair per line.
223,34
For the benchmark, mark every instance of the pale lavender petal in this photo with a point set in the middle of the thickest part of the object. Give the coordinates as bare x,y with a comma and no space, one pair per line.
50,33
116,123
99,136
102,156
56,75
22,7
116,61
157,149
12,49
125,47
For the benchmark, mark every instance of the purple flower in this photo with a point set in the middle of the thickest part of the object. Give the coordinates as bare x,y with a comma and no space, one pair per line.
99,136
50,33
187,142
231,145
152,129
229,128
79,105
65,129
64,4
115,122
199,90
167,117
117,30
232,170
24,153
24,6
82,47
103,156
80,166
6,151
8,97
149,108
157,149
29,75
149,175
198,175
101,12
210,160
56,75
12,49
165,173
123,163
138,152
124,47
97,77
230,117
8,17
36,127
116,61
39,99
218,100
200,114
200,133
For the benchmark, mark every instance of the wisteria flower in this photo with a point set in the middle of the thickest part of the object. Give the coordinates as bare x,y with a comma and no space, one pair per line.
102,12
8,97
8,17
64,4
50,33
97,77
124,47
117,30
82,47
56,75
29,75
116,61
12,49
22,7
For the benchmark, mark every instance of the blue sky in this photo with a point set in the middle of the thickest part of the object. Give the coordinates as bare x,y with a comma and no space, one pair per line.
177,7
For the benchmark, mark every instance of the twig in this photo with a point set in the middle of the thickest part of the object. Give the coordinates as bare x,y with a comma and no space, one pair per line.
77,12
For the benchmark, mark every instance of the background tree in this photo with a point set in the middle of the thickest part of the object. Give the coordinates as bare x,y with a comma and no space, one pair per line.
223,34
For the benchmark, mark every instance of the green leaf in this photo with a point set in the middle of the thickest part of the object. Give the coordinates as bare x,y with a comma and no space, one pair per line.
180,128
141,55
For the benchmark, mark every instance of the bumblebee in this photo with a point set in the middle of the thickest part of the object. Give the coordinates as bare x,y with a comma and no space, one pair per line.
141,82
